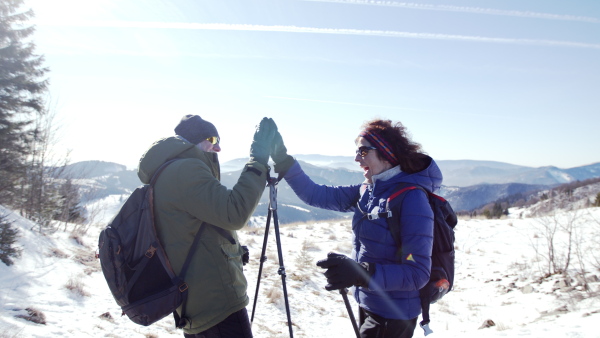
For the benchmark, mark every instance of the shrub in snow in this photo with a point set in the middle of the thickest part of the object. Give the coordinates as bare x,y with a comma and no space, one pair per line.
107,316
58,253
487,323
34,315
304,260
275,295
76,286
309,245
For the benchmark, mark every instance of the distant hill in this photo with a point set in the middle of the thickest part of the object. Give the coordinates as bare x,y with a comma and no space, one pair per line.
335,162
91,169
101,179
290,207
468,184
476,196
464,173
584,172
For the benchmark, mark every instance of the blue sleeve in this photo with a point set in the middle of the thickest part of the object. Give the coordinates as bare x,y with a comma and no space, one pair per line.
416,223
336,198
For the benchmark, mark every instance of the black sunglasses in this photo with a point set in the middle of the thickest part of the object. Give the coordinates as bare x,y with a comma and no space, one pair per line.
364,150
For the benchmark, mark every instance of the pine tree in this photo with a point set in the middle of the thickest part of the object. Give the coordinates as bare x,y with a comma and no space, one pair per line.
8,237
69,208
497,210
22,85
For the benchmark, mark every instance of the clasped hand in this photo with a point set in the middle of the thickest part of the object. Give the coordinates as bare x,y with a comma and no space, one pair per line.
343,272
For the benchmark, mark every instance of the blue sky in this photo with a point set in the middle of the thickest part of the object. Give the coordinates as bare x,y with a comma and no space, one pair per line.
500,80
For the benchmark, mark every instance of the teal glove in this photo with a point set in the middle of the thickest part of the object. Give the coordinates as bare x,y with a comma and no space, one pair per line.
263,139
282,160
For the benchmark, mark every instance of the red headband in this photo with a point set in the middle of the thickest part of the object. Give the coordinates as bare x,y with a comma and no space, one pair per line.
381,145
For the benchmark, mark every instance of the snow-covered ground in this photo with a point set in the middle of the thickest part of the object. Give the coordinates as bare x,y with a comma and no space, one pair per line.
499,265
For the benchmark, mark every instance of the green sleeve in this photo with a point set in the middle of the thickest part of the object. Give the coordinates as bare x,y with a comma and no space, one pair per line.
208,200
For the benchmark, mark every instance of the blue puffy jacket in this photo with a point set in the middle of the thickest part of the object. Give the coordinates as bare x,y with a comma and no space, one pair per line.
393,291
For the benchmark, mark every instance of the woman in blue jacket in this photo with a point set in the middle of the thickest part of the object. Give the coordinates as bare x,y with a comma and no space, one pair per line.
386,280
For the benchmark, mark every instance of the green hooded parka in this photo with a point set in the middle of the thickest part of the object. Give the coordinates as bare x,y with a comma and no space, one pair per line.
188,194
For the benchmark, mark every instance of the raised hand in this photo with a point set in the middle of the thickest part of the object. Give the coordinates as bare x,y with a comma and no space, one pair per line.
262,141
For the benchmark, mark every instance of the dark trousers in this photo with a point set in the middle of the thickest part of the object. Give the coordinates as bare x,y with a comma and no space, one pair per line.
237,325
374,326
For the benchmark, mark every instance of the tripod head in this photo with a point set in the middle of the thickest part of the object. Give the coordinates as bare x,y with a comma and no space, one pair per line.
271,183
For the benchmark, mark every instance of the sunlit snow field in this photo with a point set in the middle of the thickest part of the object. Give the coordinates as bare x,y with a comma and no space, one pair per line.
498,269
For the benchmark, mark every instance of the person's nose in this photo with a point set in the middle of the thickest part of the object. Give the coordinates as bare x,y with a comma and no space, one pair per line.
216,148
357,158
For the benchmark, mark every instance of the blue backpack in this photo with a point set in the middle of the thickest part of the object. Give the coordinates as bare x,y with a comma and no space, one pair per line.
441,279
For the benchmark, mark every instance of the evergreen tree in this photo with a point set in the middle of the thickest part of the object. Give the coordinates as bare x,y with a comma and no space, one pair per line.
22,85
8,237
69,208
497,211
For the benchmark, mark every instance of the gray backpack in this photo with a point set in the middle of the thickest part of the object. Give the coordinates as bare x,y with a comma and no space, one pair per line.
135,264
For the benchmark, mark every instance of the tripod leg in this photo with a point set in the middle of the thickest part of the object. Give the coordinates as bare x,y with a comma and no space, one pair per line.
263,258
282,272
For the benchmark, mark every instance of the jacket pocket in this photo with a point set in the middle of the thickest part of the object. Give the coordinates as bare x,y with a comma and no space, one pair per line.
233,255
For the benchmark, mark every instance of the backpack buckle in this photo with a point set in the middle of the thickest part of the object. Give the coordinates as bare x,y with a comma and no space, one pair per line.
378,215
426,328
183,287
150,252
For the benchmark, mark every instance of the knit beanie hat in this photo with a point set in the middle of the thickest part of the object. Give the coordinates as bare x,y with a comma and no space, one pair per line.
194,129
381,144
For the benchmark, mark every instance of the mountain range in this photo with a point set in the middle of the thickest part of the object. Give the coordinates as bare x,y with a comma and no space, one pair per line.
463,173
468,184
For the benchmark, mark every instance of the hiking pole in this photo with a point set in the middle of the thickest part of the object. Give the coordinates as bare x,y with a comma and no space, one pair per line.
344,293
271,182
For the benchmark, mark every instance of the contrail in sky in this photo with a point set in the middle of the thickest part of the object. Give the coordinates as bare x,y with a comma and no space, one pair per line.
340,102
387,107
474,10
296,29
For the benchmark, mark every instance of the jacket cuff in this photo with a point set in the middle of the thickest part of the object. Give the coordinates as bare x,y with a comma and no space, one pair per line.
256,167
370,268
283,166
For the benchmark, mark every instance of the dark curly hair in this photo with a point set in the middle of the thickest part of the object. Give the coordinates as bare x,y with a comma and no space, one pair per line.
409,154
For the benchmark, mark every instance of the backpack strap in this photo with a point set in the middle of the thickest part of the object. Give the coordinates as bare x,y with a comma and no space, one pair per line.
397,198
395,228
160,169
181,321
362,192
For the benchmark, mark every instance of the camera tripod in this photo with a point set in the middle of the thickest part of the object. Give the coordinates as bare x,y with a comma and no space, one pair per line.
271,183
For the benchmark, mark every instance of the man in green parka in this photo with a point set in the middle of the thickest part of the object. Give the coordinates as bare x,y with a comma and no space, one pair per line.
189,194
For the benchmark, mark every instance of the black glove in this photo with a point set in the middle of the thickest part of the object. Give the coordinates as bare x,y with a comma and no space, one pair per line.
263,138
245,255
282,160
343,271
